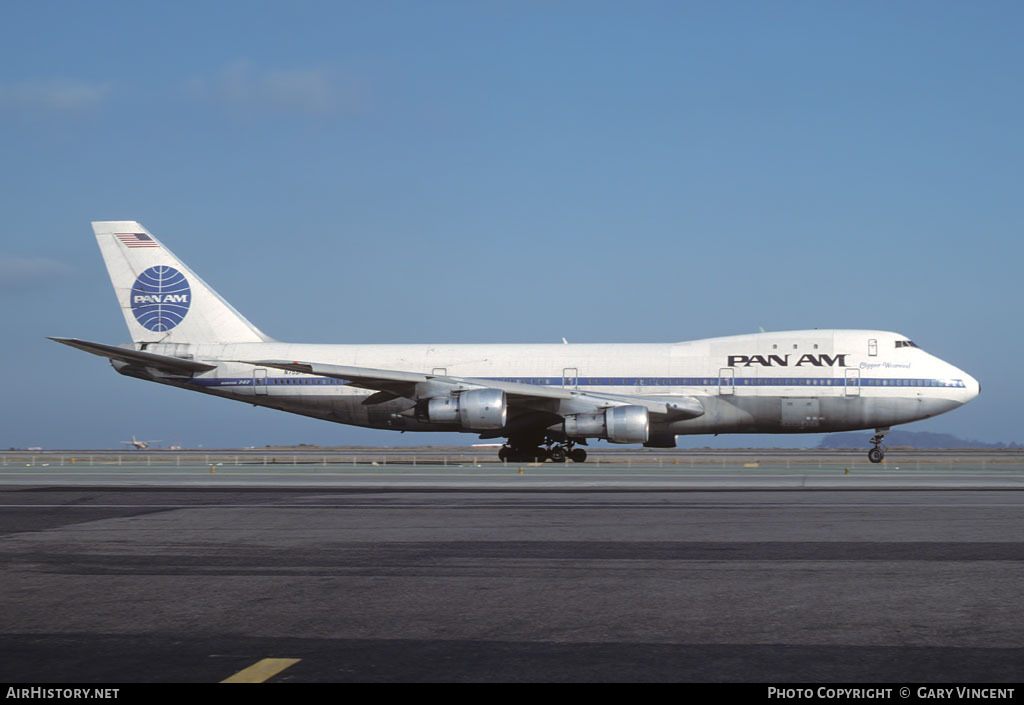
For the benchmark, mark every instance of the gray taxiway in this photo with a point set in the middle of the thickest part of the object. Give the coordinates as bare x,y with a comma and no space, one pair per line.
123,573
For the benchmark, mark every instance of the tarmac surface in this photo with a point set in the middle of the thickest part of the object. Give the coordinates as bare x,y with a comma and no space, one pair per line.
744,571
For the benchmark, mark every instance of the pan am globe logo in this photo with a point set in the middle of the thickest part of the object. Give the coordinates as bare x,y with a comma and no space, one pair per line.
160,298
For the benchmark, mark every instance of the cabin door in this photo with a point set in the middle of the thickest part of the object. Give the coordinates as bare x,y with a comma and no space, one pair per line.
259,381
852,382
726,380
570,378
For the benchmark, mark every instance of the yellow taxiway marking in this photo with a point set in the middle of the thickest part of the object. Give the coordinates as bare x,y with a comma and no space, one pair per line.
261,670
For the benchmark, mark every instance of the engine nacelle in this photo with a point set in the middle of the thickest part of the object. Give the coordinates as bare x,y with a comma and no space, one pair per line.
620,424
477,409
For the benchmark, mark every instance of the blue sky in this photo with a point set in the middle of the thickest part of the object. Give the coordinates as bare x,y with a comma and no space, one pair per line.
508,172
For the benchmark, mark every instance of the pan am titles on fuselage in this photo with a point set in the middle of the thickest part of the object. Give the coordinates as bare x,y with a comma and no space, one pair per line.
546,400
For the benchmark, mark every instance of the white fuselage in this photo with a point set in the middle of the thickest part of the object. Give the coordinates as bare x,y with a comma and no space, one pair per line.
798,381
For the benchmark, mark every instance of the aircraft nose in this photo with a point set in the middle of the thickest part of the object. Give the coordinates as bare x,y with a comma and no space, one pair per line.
972,388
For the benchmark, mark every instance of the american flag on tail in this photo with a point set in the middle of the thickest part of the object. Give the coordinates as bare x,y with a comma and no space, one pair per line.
136,240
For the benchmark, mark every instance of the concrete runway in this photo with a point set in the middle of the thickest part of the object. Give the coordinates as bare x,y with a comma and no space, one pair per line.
478,468
110,579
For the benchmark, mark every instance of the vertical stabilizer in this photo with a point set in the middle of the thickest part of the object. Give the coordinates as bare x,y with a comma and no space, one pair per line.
163,301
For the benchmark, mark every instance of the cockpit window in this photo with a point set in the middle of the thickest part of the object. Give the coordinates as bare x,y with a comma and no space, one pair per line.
906,344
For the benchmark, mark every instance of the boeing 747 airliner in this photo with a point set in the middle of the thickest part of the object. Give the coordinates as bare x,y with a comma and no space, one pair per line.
546,400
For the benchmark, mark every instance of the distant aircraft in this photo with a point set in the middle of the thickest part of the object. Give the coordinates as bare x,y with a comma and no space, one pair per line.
138,444
545,399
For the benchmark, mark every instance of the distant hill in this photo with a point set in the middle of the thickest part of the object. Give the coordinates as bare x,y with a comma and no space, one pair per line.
911,439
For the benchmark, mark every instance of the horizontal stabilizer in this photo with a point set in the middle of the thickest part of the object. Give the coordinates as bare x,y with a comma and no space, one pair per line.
165,363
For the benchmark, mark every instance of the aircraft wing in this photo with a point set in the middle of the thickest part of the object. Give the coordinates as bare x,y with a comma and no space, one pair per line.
417,385
165,363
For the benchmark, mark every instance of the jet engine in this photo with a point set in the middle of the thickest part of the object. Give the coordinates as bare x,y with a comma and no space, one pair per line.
476,409
620,424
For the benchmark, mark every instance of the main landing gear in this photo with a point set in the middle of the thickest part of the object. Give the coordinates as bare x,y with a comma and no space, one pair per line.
537,451
877,454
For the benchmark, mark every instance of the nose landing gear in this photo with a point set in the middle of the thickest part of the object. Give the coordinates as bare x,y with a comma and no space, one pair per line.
877,454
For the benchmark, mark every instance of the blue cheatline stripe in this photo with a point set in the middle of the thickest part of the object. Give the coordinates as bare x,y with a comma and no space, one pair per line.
268,381
622,381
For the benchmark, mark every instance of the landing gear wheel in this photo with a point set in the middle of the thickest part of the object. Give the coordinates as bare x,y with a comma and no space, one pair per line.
877,454
536,448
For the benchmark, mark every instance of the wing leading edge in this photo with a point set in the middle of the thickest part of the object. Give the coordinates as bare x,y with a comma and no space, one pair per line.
418,386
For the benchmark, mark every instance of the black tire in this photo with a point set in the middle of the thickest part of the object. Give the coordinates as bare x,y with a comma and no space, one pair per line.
577,455
875,455
557,454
